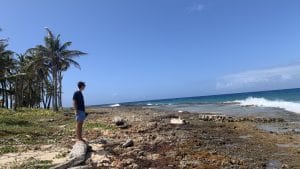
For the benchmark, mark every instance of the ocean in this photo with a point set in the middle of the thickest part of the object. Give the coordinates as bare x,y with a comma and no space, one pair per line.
276,103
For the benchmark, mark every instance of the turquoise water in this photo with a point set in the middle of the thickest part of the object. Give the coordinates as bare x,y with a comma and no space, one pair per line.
277,103
290,95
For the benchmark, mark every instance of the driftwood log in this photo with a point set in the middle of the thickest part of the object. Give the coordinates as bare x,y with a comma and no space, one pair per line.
76,156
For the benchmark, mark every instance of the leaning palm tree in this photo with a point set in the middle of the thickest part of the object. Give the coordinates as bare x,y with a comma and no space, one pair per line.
54,54
64,66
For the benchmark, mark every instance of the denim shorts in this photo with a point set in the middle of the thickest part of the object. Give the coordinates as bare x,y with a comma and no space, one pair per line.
80,116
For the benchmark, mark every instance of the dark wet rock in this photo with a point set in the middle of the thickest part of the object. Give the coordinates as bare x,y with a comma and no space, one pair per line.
128,143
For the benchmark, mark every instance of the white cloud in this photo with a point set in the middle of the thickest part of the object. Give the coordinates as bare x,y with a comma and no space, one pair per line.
287,76
196,8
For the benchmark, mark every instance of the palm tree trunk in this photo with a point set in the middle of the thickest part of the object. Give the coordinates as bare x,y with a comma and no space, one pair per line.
10,96
3,94
54,99
49,101
60,90
21,99
16,95
6,95
44,99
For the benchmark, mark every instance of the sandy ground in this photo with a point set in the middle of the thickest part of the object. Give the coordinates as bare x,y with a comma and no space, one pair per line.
46,152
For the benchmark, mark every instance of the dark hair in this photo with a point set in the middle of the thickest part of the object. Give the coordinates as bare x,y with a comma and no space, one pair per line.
80,84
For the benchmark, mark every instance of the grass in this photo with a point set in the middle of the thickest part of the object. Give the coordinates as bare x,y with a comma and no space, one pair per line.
8,149
29,128
32,126
38,126
33,164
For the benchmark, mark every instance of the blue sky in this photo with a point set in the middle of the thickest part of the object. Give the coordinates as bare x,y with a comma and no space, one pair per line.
142,49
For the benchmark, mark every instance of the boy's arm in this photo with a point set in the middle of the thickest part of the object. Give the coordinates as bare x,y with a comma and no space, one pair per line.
75,106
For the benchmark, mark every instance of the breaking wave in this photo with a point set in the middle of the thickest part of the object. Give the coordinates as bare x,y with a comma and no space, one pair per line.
262,102
115,105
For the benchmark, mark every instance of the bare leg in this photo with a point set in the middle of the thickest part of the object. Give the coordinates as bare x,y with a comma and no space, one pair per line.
79,130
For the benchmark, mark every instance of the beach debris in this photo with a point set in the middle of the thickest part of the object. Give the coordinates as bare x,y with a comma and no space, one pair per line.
177,121
120,122
76,156
128,143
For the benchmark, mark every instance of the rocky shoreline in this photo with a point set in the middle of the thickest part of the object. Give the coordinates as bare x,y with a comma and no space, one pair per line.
202,141
133,137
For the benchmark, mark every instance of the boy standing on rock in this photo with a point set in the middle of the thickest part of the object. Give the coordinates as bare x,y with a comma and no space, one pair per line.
78,103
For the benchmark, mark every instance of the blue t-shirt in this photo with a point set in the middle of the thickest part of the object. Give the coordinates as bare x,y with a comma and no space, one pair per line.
78,97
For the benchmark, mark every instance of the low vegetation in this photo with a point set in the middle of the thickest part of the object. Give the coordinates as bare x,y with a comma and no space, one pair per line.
33,164
31,127
27,127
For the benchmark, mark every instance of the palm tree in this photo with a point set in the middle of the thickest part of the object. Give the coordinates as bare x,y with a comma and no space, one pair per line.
39,70
6,65
65,63
58,57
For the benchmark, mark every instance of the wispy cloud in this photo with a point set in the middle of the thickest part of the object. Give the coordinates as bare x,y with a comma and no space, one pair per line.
198,7
277,77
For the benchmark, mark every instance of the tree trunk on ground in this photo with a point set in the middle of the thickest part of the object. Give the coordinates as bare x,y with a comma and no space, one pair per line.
76,156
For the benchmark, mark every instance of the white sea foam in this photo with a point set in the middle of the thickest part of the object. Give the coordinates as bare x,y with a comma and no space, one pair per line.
149,104
262,102
115,105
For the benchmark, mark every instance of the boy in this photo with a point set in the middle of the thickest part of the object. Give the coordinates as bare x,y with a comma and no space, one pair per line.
78,103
